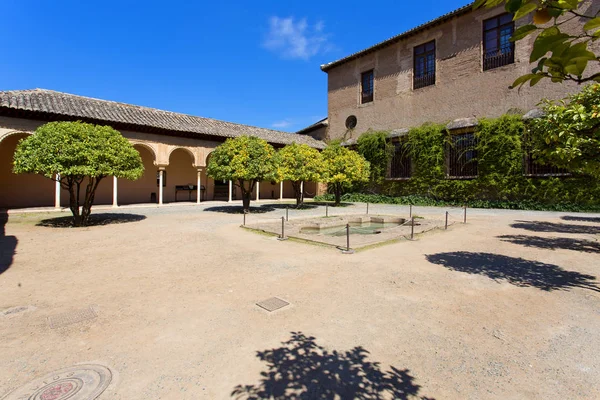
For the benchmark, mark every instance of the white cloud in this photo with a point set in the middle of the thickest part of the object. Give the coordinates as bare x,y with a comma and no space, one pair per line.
296,39
282,124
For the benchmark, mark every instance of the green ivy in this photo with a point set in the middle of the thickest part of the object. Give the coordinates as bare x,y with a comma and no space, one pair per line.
377,150
501,184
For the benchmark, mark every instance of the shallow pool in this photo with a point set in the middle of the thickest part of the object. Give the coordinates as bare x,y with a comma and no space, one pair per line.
367,228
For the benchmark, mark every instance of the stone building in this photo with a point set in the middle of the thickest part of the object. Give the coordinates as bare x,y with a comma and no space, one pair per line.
457,66
174,148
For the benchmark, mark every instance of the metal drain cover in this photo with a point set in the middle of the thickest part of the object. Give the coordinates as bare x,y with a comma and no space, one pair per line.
73,317
79,382
272,304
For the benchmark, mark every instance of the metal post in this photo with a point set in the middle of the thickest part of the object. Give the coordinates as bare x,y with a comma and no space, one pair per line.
412,229
410,211
282,237
367,208
348,249
244,217
327,210
446,220
287,208
465,220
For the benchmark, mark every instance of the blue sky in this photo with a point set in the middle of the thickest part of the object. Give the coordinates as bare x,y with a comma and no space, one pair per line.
254,63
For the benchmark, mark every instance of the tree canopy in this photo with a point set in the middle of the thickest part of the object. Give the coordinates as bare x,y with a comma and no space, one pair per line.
342,168
78,152
568,135
300,163
244,160
560,55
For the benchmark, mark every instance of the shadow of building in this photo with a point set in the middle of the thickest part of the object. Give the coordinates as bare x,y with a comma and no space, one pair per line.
301,369
516,271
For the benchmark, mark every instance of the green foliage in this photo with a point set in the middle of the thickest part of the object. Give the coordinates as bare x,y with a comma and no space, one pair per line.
560,55
377,150
343,167
429,202
77,149
300,163
244,160
78,152
568,135
500,184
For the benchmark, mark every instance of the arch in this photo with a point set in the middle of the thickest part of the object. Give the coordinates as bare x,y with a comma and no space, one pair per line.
147,147
187,150
6,135
21,190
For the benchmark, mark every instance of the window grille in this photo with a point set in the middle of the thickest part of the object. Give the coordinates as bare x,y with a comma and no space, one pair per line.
538,169
424,69
400,165
462,156
498,50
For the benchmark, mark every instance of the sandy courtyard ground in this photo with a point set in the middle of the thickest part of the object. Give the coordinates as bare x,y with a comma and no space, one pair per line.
505,307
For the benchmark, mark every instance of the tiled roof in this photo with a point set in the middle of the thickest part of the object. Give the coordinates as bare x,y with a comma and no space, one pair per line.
318,124
459,11
69,105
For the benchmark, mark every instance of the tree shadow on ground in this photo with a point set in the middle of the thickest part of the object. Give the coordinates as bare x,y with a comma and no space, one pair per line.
95,220
588,246
8,245
239,209
516,271
279,206
301,369
542,226
580,219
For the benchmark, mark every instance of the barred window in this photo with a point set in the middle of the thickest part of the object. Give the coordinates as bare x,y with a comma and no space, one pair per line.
400,165
366,90
424,74
498,50
462,156
538,169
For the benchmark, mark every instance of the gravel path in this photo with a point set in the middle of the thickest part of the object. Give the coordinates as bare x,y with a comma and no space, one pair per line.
506,306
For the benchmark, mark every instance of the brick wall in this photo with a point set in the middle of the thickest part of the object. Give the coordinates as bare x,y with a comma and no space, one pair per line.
462,88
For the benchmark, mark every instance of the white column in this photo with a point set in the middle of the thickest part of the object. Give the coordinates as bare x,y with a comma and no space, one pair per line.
160,186
302,190
199,186
115,202
281,190
57,191
257,191
230,192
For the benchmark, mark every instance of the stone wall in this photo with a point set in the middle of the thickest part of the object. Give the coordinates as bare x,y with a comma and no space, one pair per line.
462,88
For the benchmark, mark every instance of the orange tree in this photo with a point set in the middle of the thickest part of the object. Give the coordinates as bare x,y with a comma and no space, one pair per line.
78,154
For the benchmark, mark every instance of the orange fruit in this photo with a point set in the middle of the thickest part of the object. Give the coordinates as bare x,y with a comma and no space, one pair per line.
541,17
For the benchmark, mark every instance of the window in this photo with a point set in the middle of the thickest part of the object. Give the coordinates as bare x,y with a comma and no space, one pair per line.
498,50
462,156
351,122
400,165
532,168
424,74
366,90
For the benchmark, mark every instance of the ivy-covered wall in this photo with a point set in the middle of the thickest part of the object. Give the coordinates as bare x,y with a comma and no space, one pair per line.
500,154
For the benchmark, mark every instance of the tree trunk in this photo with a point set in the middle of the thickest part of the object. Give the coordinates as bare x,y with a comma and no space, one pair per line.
73,184
337,188
246,194
297,193
90,194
